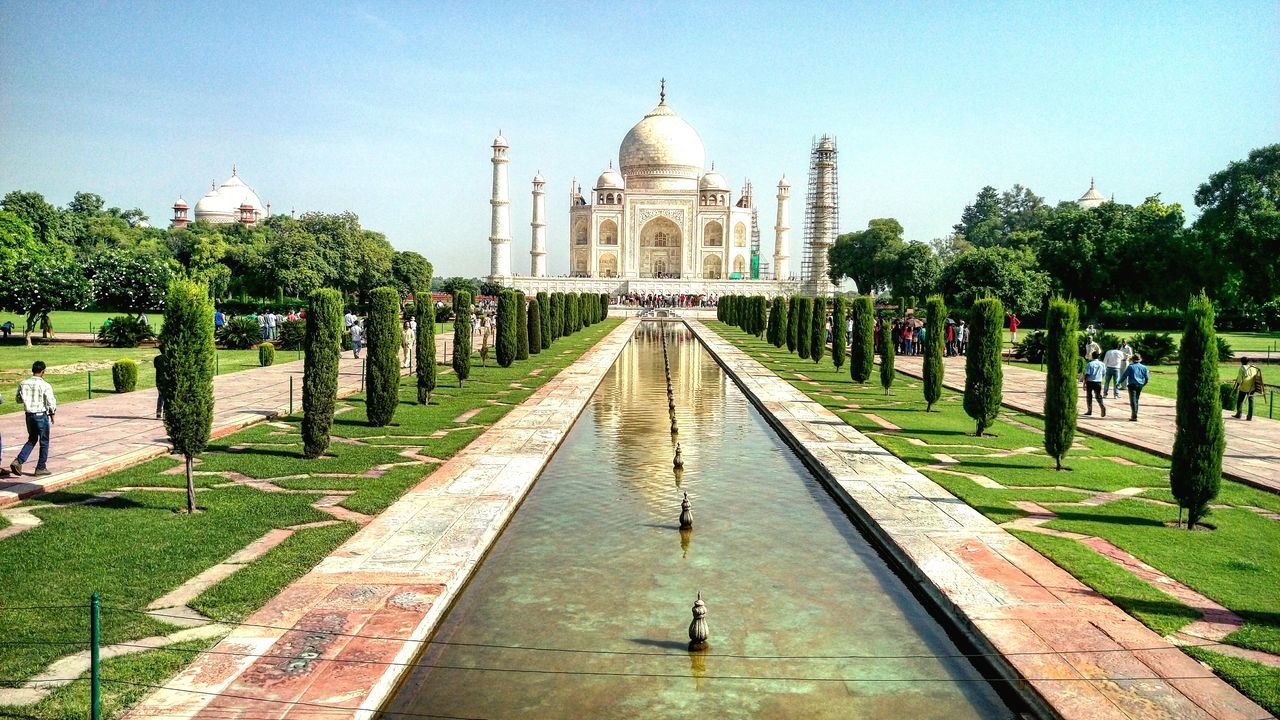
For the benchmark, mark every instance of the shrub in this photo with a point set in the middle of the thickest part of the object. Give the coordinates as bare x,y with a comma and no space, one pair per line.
124,375
862,342
125,331
1196,465
1060,381
1033,346
186,341
266,354
534,324
462,335
544,307
1227,392
762,315
839,331
804,329
382,365
293,335
322,354
604,306
506,340
935,339
818,333
425,346
886,361
793,322
1155,348
984,378
555,314
522,326
240,333
572,322
1225,353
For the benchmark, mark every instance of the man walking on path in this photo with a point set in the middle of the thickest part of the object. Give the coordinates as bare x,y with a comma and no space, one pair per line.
1248,382
1093,375
36,397
1134,378
1113,360
357,338
408,339
1128,358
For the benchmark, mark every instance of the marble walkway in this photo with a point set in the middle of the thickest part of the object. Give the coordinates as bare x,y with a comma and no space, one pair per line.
1253,448
1083,657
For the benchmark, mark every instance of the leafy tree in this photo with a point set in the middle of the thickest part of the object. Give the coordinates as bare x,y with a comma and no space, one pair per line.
886,360
186,342
39,215
39,284
572,323
130,281
410,271
506,340
793,323
490,288
534,326
522,326
862,343
462,335
425,349
1240,221
980,223
323,353
869,257
544,307
1195,472
1062,358
382,367
604,306
984,378
16,241
934,349
557,315
1008,275
452,285
804,331
917,270
777,311
818,332
839,336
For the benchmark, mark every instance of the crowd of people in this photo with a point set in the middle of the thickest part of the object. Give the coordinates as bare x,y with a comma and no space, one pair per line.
667,300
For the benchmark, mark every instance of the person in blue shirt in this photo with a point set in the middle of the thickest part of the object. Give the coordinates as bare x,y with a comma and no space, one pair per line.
1094,372
219,319
1135,378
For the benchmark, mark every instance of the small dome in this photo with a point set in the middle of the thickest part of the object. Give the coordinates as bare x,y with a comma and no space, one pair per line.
784,183
538,178
713,181
500,142
609,179
223,203
179,203
1092,198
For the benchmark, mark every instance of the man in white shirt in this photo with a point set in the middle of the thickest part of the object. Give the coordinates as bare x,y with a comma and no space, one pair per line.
1124,362
271,325
36,397
1112,360
349,319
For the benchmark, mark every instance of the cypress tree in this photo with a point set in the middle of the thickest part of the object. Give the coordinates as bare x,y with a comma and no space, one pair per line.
818,335
425,349
886,361
534,325
570,313
793,322
462,335
186,342
934,349
984,378
762,315
323,351
726,303
1196,468
804,327
544,307
1061,357
554,315
604,306
862,343
506,340
774,333
839,336
382,366
720,306
522,326
584,310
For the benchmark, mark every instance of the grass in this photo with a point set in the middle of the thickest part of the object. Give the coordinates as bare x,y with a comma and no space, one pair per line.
75,321
1257,343
1235,564
1260,682
136,547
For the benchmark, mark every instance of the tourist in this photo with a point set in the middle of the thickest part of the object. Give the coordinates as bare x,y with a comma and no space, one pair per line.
1013,327
7,328
922,335
1135,378
142,318
1094,372
357,338
262,323
158,362
1248,383
37,400
407,340
1113,359
1128,358
951,337
271,325
349,319
219,319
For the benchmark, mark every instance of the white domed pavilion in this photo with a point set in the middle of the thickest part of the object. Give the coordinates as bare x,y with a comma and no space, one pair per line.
231,202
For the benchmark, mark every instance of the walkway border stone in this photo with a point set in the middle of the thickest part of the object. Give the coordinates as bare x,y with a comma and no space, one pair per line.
1065,647
343,635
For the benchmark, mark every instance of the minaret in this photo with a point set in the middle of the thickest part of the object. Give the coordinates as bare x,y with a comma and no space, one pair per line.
822,217
538,249
500,228
782,233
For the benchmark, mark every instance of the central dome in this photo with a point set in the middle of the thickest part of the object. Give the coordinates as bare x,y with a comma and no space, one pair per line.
664,147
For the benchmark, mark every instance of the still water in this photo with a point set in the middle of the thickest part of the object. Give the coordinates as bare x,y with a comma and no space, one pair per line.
582,608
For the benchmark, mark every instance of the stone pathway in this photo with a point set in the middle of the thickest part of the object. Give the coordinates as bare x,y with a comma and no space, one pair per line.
1076,647
1253,448
393,579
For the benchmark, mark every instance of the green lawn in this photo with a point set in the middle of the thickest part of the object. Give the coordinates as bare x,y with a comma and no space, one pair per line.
135,547
1236,563
70,363
75,321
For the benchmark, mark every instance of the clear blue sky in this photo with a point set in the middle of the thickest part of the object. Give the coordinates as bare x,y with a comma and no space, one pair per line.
388,109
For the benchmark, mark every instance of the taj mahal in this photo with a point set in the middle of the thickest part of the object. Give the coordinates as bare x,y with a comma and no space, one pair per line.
662,222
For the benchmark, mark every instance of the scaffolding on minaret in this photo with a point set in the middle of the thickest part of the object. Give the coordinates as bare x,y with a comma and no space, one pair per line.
821,216
747,200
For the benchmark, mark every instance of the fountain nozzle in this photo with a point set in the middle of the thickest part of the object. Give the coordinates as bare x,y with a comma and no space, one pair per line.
686,514
679,460
698,627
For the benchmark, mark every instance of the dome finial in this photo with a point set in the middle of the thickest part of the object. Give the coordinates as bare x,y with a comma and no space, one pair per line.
233,169
662,92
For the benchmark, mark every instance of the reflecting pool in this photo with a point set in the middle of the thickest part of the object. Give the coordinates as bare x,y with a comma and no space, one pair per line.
583,606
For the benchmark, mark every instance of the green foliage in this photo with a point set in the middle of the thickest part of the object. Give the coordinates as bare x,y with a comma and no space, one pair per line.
124,375
322,355
1060,382
462,335
533,326
1239,226
984,377
572,322
818,331
544,307
1010,275
241,333
869,257
125,331
411,273
777,315
1155,347
522,327
1196,468
762,315
186,341
507,317
935,347
129,280
1032,347
425,346
604,306
887,351
266,354
293,335
555,313
793,322
38,284
839,331
382,363
1224,350
862,342
804,329
1227,394
452,285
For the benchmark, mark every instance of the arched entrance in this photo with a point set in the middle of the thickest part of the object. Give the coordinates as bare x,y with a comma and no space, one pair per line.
607,266
711,267
660,248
